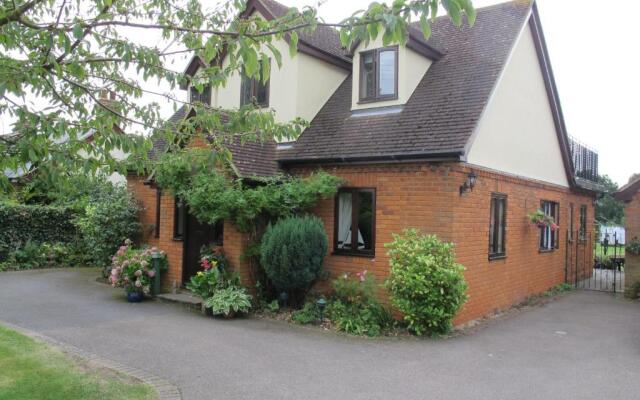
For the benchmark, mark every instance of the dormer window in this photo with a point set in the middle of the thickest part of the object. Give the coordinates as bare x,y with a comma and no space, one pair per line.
253,91
197,97
379,74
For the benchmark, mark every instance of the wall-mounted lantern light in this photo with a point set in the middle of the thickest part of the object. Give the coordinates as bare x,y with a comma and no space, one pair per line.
469,183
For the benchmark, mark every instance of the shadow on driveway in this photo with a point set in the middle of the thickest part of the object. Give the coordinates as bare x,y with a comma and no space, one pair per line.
583,346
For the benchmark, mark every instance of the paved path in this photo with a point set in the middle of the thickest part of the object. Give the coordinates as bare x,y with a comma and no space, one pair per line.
584,346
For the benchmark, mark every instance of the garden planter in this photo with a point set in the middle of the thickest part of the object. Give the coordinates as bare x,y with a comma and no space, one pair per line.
231,315
135,297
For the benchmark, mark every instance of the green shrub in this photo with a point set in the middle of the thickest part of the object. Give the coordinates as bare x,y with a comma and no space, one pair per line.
229,301
107,222
425,283
34,223
307,314
292,252
33,255
355,308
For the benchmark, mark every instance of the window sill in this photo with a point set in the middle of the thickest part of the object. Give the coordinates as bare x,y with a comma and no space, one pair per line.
178,239
378,99
352,254
495,257
546,250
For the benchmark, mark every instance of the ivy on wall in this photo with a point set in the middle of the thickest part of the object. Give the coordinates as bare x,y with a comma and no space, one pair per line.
195,176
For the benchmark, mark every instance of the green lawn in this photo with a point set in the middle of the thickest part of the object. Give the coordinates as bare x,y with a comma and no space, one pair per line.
32,370
599,251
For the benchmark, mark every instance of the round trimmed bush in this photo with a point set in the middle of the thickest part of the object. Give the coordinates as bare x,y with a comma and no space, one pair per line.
425,282
292,252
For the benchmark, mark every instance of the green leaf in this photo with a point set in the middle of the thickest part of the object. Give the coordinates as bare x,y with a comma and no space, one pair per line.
78,32
293,44
425,26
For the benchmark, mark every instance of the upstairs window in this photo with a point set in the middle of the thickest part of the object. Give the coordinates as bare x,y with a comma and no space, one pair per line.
197,97
549,236
254,91
379,74
355,221
497,226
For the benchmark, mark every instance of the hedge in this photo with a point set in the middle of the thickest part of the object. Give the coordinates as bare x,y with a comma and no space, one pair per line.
36,223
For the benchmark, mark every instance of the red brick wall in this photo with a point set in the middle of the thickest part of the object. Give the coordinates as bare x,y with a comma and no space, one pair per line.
632,227
426,196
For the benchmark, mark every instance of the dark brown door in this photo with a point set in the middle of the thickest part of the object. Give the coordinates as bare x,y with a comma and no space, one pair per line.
197,236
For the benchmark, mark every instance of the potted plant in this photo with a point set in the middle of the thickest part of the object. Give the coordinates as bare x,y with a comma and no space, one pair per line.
132,270
214,274
542,220
229,301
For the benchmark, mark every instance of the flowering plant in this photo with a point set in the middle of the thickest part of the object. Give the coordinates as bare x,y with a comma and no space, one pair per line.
353,288
542,220
214,274
132,269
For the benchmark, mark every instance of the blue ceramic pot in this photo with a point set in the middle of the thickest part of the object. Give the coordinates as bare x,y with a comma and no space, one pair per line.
134,297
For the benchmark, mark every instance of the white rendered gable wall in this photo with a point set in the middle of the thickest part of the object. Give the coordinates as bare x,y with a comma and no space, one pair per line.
517,134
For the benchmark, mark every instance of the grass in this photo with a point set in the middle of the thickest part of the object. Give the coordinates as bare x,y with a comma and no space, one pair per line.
599,250
34,370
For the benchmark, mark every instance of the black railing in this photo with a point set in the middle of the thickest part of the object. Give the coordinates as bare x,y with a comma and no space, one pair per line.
585,160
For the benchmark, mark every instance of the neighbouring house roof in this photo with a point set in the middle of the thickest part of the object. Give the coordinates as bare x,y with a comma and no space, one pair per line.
442,113
250,159
629,190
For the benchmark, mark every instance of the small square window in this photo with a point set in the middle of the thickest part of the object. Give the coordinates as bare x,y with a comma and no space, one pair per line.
196,97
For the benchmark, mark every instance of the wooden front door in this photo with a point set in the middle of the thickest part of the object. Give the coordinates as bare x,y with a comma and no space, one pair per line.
197,235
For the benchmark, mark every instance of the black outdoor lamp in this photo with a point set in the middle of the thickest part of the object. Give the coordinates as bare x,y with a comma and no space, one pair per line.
469,184
321,303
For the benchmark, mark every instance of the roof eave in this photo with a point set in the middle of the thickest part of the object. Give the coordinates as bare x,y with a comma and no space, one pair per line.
449,155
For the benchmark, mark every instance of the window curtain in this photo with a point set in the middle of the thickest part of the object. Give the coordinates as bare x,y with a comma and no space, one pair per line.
345,208
344,220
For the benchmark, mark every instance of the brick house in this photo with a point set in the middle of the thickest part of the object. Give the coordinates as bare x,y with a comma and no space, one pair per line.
461,135
630,194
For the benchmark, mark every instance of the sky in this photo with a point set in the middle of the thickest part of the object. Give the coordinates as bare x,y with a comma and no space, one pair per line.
593,58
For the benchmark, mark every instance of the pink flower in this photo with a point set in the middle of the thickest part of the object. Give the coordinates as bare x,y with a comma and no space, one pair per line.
151,273
138,283
127,242
362,275
138,273
205,264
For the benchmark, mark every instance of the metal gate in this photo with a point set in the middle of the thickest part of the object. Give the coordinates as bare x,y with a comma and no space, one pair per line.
594,265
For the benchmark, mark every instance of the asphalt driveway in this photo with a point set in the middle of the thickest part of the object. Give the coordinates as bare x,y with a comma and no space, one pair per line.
583,346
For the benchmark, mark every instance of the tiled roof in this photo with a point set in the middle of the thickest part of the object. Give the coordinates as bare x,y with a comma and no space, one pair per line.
444,109
629,190
324,38
251,159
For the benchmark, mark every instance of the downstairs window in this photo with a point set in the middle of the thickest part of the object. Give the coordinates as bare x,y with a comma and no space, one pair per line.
355,221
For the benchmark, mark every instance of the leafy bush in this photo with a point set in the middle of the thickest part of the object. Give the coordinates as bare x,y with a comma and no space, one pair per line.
107,222
356,309
633,247
34,223
132,269
33,255
292,252
425,283
307,314
229,301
